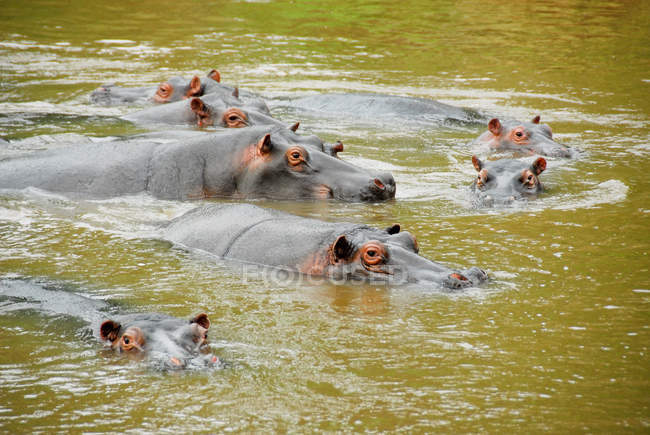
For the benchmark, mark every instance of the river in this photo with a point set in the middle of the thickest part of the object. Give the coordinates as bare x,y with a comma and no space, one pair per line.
556,341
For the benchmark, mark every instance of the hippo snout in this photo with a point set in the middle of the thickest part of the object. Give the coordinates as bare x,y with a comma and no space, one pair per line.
383,186
471,277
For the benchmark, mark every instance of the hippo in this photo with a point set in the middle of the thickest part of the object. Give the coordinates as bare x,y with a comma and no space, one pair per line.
379,107
243,162
147,334
210,110
163,341
225,112
341,251
503,181
171,90
522,137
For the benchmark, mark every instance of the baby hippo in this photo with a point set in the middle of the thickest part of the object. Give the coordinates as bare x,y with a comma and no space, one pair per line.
166,341
525,138
506,180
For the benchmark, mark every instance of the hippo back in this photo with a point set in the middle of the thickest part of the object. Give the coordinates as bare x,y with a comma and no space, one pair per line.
252,234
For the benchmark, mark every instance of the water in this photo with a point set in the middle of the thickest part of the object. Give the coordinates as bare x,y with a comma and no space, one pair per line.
557,341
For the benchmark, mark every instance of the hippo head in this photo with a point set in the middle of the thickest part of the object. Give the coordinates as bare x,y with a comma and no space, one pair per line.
277,166
228,113
389,256
177,88
312,141
166,340
506,180
524,137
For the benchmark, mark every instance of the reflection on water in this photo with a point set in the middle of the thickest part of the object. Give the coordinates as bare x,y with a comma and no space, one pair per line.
556,341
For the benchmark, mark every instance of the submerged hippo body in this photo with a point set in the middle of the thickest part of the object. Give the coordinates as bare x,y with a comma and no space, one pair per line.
164,341
523,138
506,180
251,162
252,234
380,107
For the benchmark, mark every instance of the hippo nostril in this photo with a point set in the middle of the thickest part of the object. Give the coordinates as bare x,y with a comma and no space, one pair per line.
458,276
379,184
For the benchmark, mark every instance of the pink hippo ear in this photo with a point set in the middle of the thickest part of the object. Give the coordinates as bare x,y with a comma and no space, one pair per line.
235,93
341,249
495,126
215,75
201,320
195,87
539,165
110,330
197,105
478,165
294,127
536,119
264,146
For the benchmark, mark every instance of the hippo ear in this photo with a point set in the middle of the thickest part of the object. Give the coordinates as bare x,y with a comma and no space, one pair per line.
495,126
536,119
341,248
110,330
197,105
195,86
393,229
264,146
294,127
201,320
478,165
539,165
337,148
235,93
215,75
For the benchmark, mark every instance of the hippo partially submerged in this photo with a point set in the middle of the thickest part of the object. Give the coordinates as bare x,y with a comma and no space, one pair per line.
348,251
522,137
506,180
169,91
226,112
164,341
211,110
153,334
251,162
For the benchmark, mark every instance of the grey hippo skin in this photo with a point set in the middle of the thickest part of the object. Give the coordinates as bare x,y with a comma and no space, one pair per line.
243,163
506,180
378,106
214,109
349,251
166,342
171,90
525,138
224,112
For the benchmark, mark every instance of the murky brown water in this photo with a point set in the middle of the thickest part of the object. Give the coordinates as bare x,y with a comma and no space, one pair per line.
557,341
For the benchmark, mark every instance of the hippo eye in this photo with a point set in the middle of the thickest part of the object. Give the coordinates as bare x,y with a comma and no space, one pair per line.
295,156
519,135
126,340
373,254
234,118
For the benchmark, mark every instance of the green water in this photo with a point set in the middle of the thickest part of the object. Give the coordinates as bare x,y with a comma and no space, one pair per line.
557,341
